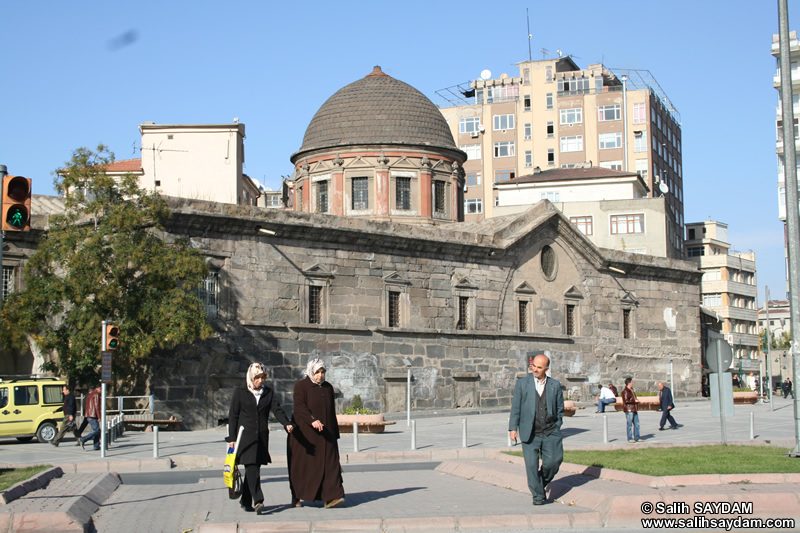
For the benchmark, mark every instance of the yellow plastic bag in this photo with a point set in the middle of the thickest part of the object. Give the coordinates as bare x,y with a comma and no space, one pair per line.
230,472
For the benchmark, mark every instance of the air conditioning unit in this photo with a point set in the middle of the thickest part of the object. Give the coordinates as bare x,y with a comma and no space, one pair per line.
474,134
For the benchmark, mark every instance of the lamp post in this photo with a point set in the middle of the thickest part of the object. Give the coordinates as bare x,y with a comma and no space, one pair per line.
671,380
407,362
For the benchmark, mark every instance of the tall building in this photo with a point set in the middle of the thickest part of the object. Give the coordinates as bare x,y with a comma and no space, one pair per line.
729,285
557,115
794,52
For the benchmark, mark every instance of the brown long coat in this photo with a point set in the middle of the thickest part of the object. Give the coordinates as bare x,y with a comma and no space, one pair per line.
315,472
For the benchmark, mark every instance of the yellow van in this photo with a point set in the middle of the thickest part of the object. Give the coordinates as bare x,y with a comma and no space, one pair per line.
26,408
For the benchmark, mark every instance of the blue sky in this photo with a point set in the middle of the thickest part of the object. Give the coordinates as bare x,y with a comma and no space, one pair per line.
80,73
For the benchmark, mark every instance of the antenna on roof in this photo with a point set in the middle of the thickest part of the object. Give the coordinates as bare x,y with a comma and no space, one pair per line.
529,33
545,52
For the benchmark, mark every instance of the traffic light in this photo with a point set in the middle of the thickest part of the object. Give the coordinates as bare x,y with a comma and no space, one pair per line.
16,203
112,337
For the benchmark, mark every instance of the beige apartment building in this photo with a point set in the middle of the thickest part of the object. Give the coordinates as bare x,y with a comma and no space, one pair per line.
553,114
729,284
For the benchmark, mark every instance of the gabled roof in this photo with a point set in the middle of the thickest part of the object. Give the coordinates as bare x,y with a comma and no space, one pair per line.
572,174
125,165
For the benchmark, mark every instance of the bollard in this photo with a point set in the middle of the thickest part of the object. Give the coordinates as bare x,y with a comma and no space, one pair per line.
605,429
508,420
752,426
355,436
413,434
155,441
463,432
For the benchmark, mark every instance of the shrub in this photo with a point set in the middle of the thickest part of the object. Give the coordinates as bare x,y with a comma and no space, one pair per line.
357,408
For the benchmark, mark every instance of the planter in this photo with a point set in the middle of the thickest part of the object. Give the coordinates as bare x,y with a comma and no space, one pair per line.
366,423
745,397
645,403
569,408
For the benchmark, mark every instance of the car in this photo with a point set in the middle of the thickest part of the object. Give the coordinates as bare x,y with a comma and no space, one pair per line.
26,408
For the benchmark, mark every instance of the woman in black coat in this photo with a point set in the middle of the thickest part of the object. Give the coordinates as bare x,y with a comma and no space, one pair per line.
250,407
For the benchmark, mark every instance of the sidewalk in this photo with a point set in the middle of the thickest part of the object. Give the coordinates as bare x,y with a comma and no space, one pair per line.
391,487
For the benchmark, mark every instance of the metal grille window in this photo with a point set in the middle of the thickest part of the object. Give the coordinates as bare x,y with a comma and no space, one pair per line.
403,193
322,197
523,316
438,192
570,319
394,309
8,281
314,304
626,323
360,193
463,313
208,292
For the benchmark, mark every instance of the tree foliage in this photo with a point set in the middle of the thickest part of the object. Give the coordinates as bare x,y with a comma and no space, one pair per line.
103,259
779,342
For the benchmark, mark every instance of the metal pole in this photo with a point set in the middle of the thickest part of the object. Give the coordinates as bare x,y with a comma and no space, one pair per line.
408,400
605,429
792,214
3,174
625,122
671,378
155,441
769,348
355,436
752,426
463,432
102,395
720,375
509,434
413,434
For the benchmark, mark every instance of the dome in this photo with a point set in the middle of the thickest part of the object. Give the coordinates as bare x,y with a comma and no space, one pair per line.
377,109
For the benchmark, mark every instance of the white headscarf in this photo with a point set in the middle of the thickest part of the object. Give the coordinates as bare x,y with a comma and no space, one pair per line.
256,369
312,367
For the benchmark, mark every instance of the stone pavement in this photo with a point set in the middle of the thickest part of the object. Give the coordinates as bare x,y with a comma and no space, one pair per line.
391,487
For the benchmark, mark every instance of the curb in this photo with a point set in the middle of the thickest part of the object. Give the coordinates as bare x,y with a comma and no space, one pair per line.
29,485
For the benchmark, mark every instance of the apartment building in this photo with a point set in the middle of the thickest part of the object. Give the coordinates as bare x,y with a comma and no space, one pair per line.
729,284
554,114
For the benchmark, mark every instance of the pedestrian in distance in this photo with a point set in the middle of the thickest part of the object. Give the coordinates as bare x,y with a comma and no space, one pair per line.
787,388
92,415
315,470
667,405
70,412
251,404
613,389
631,408
537,412
606,397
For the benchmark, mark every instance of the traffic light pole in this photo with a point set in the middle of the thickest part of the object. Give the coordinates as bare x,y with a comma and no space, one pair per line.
103,398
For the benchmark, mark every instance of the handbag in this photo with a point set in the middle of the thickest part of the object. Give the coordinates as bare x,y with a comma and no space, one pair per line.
230,470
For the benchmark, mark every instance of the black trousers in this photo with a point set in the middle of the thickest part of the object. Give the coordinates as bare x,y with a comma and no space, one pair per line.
251,488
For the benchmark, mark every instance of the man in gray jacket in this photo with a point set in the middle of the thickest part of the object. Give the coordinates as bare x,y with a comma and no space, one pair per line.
537,412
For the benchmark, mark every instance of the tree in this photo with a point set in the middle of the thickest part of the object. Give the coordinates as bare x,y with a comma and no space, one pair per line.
102,259
779,342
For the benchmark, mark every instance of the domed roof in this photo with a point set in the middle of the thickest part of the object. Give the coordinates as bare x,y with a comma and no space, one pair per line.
377,109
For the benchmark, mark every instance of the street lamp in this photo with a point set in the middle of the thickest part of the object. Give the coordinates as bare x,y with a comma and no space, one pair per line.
407,362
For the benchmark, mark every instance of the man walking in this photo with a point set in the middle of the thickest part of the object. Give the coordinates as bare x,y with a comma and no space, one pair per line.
606,397
537,412
70,410
629,405
92,415
665,398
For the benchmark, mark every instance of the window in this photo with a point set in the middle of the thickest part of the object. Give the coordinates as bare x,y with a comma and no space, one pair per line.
573,143
548,262
315,304
691,234
526,76
639,113
572,116
26,395
473,206
527,102
208,293
300,198
52,394
695,251
610,140
8,281
609,112
548,74
527,131
473,151
712,300
574,85
463,313
640,142
613,165
528,158
502,93
469,125
473,179
503,122
273,200
621,224
552,196
712,275
626,323
503,175
641,167
570,320
504,149
551,156
584,224
550,129
403,193
360,193
394,309
322,196
438,197
549,100
523,316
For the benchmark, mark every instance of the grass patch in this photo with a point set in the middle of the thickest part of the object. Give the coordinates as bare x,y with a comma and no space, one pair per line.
12,476
678,461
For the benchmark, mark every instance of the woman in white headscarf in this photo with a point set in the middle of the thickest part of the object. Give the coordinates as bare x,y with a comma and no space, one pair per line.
315,472
250,407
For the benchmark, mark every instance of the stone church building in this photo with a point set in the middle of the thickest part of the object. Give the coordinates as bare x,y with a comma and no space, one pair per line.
373,266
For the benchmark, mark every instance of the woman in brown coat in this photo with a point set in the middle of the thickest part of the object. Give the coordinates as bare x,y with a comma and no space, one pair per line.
313,453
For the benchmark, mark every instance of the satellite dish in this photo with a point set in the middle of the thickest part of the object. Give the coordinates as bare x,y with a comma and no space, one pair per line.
503,76
486,74
663,188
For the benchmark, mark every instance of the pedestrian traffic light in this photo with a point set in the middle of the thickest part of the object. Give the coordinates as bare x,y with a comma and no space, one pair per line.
112,337
16,203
